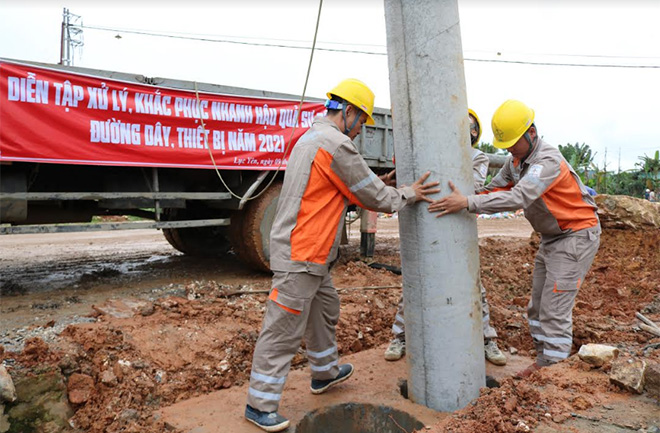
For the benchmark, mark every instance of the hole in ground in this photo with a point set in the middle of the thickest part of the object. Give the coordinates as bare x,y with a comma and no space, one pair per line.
358,418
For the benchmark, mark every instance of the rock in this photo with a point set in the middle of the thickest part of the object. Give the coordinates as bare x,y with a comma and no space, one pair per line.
7,390
68,365
521,426
628,374
597,354
652,380
127,415
108,378
120,308
513,350
356,346
4,420
169,303
80,388
624,212
147,310
161,376
41,404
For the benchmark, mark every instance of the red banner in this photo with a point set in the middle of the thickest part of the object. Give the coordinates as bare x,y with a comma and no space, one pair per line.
60,117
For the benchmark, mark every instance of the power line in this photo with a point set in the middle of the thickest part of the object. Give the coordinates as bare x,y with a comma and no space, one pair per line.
588,65
227,41
208,36
258,44
598,56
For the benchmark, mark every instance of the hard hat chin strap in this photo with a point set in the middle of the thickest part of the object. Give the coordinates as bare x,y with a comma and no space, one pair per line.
531,144
343,113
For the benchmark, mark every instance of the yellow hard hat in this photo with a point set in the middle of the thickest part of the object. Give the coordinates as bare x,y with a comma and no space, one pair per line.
356,93
476,119
510,121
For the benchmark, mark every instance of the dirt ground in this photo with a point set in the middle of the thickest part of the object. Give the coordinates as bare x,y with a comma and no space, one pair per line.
136,327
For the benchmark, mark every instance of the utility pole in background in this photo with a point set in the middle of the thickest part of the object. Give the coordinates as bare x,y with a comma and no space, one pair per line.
439,256
71,36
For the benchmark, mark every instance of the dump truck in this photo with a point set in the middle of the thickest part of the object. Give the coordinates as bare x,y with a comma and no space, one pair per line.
202,162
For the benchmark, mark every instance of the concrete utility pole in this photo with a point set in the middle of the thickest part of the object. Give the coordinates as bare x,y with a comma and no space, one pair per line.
440,256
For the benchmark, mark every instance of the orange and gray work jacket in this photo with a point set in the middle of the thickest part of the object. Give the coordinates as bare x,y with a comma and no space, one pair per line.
325,174
555,201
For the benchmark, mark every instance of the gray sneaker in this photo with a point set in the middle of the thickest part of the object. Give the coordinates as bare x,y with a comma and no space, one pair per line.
395,350
493,353
267,421
321,386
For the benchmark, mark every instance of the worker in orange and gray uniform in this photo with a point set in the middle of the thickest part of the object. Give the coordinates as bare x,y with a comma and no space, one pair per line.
397,347
537,178
325,174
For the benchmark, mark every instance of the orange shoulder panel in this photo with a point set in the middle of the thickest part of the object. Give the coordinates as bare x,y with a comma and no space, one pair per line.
563,199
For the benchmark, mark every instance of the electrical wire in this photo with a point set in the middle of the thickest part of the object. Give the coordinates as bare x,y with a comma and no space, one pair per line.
293,131
207,36
227,41
587,65
601,56
376,53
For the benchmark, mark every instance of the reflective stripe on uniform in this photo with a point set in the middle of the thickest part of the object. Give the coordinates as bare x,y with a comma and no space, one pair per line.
265,395
325,367
534,323
322,354
364,182
553,340
267,379
556,354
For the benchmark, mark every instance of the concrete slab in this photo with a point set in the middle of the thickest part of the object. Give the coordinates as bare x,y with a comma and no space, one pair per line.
374,382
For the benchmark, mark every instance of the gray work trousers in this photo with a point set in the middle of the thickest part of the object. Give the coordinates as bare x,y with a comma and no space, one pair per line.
399,326
559,270
299,305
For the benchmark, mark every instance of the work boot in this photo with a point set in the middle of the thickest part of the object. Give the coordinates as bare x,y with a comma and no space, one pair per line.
268,421
396,349
493,353
321,386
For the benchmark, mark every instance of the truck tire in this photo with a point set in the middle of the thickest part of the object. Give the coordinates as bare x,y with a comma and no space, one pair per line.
250,229
196,241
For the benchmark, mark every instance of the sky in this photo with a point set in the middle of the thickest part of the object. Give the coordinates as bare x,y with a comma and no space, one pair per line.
613,110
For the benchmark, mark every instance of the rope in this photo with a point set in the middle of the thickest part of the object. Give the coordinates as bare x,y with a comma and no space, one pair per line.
295,125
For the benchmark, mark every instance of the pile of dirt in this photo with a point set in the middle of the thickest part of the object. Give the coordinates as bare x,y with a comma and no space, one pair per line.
551,394
178,347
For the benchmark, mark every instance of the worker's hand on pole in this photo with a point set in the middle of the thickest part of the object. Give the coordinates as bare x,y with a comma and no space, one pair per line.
389,178
454,202
422,190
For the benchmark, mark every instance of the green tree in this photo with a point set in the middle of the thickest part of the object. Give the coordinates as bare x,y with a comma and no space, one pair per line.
651,168
580,156
489,148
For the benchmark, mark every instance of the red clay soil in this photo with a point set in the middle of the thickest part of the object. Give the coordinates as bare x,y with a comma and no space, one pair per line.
177,348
